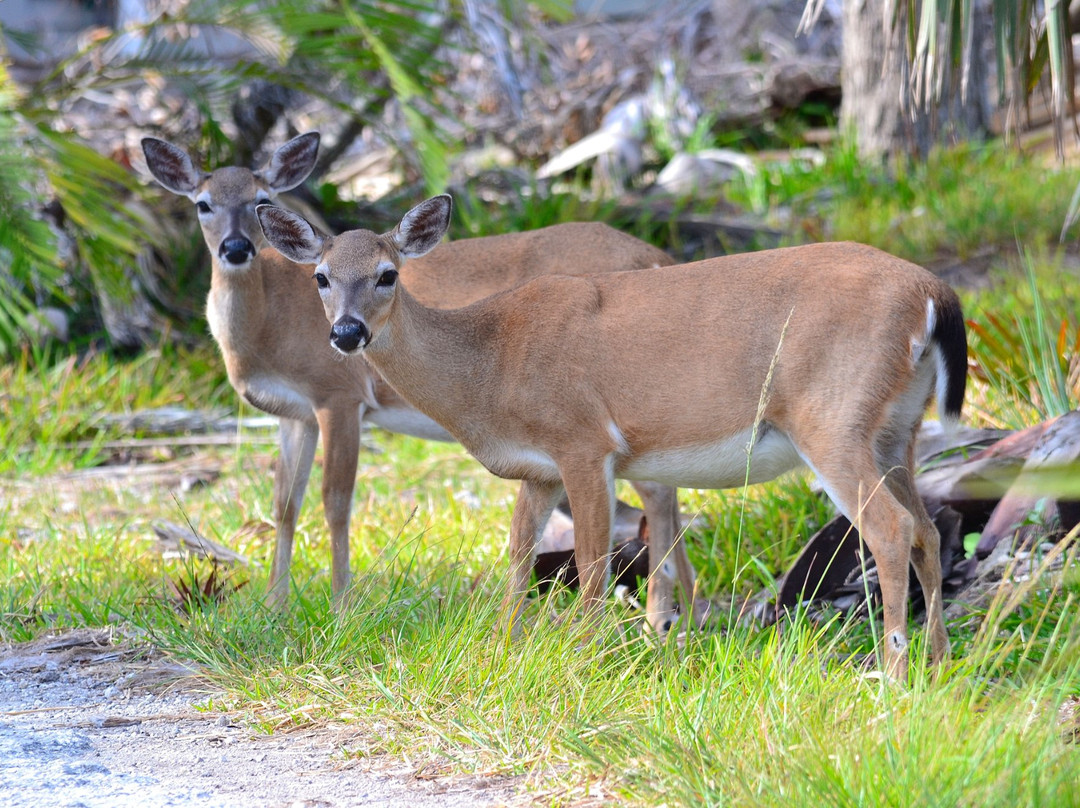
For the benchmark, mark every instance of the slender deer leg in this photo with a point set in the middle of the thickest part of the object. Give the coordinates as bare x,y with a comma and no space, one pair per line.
535,502
297,440
591,490
340,428
887,527
666,548
925,556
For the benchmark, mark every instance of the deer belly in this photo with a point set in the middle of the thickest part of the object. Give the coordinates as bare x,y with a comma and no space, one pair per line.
515,461
720,464
275,396
406,421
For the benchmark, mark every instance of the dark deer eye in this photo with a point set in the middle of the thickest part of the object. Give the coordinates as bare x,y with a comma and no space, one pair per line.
202,207
322,280
388,278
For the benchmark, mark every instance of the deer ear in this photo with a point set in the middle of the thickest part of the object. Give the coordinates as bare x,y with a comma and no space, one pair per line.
290,234
422,228
291,163
171,166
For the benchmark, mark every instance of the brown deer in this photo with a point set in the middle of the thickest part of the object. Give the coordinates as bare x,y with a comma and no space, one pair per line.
268,321
713,374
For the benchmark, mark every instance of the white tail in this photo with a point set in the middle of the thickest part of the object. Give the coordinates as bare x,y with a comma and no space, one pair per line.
265,313
659,375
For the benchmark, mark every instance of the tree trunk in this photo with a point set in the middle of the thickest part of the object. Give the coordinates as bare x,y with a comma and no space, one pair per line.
877,103
870,101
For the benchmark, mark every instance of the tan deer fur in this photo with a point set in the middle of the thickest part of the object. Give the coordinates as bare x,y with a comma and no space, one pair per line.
266,315
825,355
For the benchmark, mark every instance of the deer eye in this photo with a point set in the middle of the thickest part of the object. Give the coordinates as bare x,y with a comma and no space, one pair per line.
322,280
202,207
388,278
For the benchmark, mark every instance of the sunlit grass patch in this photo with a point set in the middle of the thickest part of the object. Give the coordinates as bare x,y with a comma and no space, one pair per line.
919,211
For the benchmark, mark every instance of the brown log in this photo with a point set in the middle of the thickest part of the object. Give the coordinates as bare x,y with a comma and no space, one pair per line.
974,486
947,447
1025,511
184,541
828,567
555,553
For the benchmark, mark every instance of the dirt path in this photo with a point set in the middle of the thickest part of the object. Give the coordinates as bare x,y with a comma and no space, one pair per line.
85,723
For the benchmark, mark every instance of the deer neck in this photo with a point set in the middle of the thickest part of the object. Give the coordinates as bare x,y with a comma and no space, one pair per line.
236,308
434,358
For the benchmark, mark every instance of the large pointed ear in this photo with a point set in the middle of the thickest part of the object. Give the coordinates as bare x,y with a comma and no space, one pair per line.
290,234
171,166
422,228
291,163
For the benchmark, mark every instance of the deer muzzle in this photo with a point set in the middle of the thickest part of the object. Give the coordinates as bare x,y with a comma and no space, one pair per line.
348,334
236,251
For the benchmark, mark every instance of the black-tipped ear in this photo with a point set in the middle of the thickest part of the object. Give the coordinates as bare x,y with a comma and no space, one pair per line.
291,163
422,228
171,166
290,234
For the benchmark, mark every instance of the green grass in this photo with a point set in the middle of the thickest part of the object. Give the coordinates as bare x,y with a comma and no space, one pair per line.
1024,342
743,716
959,202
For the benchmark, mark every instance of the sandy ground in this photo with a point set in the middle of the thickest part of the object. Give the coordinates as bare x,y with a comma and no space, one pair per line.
86,722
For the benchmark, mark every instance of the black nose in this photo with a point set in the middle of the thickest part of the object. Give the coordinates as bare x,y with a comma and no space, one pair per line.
348,333
237,250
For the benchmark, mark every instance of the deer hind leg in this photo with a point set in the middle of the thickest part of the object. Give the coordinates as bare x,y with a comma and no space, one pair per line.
925,551
297,440
535,502
855,485
666,549
340,428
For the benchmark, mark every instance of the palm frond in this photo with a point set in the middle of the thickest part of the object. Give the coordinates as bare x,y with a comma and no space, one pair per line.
1031,43
344,52
27,247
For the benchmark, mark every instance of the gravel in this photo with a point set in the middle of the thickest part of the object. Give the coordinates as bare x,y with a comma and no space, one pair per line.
84,722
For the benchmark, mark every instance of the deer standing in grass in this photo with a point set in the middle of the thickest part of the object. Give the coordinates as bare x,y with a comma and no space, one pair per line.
825,355
268,321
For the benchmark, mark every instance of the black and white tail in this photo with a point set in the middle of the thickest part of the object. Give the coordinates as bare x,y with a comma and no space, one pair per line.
949,338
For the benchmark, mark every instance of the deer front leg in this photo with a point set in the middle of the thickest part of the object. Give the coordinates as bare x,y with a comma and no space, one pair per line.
591,490
535,502
340,428
297,440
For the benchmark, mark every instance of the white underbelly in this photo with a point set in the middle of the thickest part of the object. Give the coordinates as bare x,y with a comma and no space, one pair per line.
722,464
515,461
406,421
276,396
